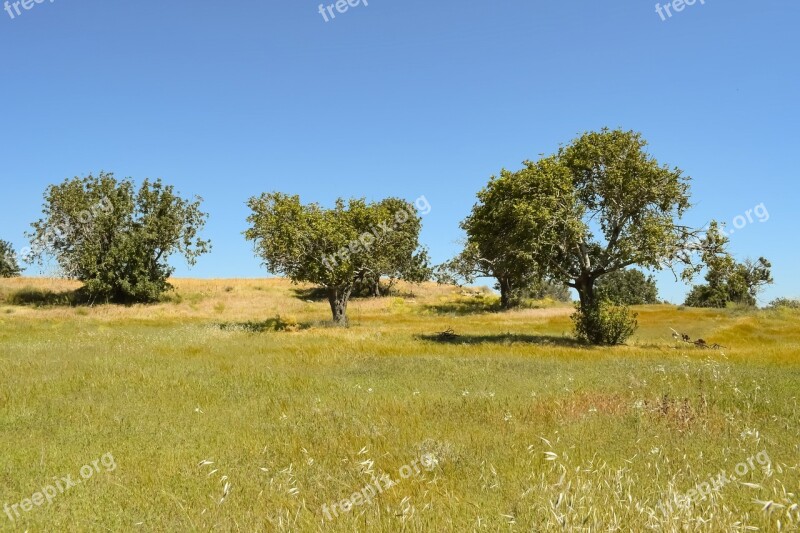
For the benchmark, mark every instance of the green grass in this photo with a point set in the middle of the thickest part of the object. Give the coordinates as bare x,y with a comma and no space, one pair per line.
528,430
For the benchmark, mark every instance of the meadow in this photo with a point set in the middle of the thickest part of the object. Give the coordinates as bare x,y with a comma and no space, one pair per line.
234,406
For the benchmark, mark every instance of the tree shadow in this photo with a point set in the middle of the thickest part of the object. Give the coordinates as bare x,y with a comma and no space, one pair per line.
33,297
464,307
320,294
448,337
269,325
314,294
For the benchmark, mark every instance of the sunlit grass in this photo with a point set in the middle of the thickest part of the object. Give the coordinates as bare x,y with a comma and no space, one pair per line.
528,429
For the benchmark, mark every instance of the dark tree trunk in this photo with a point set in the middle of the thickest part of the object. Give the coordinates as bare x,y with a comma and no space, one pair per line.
585,288
505,292
338,299
589,326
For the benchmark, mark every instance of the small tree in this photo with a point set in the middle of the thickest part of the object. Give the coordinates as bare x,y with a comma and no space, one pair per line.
9,267
335,248
727,281
496,230
513,279
115,239
628,287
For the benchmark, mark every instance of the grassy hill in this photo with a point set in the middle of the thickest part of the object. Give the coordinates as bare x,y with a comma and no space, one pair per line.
233,405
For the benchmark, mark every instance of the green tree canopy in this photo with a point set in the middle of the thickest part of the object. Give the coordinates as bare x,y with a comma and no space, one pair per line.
116,239
335,248
9,266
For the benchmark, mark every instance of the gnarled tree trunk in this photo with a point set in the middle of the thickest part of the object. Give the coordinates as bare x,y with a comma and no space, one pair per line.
338,298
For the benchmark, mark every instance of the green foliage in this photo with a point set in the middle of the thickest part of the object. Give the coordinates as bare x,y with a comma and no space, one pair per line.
115,239
727,281
628,287
605,323
9,267
337,248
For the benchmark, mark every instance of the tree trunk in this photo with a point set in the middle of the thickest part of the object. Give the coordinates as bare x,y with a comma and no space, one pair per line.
338,299
589,326
585,288
376,288
505,292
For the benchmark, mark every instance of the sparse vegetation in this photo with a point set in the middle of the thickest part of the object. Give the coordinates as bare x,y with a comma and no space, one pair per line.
784,303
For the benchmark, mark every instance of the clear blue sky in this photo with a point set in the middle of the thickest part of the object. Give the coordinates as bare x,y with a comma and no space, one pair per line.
419,97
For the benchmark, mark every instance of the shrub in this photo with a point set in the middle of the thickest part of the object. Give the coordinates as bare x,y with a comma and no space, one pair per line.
605,323
784,303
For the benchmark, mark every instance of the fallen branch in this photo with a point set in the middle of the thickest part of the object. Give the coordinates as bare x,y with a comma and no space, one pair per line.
446,335
699,343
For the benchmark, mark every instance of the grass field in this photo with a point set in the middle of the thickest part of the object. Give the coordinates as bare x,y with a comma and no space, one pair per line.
233,406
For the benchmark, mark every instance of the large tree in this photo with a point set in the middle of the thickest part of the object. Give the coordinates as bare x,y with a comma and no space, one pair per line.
9,267
599,205
115,238
336,248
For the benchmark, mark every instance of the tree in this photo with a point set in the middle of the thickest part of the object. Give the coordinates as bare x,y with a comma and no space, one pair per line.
9,267
496,229
116,239
601,204
335,248
628,287
727,281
